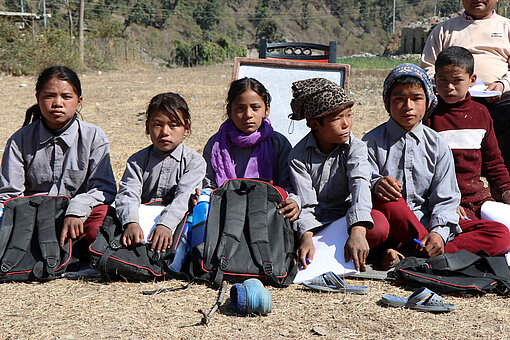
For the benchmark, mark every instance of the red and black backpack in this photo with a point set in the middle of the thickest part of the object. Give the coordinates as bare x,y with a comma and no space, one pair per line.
138,263
245,235
461,273
29,239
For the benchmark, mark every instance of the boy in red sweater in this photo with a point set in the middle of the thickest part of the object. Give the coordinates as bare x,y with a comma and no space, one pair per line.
468,129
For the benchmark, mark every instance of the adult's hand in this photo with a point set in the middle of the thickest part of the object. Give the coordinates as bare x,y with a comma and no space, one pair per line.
496,86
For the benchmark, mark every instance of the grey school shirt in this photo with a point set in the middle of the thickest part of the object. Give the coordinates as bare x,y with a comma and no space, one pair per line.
331,185
75,164
151,175
423,163
241,156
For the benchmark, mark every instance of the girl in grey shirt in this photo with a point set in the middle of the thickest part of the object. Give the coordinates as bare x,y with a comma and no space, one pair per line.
57,154
166,170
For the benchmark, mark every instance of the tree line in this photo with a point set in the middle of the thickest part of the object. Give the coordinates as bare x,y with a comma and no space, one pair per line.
201,32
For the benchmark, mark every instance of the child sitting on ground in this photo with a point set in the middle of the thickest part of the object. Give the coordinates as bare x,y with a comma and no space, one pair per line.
468,129
246,146
413,178
166,170
330,171
56,154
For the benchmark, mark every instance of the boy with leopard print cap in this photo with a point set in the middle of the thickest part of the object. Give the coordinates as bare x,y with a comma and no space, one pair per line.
330,171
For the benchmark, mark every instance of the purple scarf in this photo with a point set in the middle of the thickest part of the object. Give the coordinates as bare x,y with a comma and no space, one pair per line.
262,160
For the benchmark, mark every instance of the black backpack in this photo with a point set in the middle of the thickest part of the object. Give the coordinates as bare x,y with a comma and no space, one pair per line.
137,263
245,236
460,273
29,239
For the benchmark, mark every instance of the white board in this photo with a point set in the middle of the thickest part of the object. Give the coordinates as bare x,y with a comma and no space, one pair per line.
277,76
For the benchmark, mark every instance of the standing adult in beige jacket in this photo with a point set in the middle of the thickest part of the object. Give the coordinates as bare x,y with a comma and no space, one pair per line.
487,36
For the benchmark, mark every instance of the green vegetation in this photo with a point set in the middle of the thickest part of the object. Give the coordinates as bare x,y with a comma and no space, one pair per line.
198,32
377,62
25,53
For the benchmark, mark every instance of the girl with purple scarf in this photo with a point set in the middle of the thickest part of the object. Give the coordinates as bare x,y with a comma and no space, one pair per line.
246,146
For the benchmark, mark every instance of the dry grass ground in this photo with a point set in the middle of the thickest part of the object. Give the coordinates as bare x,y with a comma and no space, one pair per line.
66,309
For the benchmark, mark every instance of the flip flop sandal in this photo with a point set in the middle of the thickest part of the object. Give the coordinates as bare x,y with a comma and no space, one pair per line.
431,301
330,282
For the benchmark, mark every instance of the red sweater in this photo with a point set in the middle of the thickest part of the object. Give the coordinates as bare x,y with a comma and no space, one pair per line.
468,129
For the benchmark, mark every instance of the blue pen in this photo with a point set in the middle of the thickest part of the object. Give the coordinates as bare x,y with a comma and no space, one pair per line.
418,241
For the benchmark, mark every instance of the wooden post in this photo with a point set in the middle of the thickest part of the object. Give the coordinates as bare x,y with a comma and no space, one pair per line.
69,19
80,30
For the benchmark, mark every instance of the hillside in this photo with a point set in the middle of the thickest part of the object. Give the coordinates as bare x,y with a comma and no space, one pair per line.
190,32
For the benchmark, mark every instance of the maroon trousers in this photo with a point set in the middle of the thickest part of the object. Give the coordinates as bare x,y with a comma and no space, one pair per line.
95,220
490,236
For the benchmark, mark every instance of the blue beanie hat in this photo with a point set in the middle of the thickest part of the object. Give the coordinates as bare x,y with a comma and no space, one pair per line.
412,71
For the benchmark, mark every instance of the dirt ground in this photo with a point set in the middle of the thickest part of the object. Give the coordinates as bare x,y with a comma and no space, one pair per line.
67,309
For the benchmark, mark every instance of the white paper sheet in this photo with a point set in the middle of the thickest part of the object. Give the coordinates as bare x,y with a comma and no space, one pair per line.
478,90
329,253
497,211
149,216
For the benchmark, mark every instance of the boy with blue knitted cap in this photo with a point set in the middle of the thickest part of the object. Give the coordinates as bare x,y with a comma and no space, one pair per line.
330,172
413,178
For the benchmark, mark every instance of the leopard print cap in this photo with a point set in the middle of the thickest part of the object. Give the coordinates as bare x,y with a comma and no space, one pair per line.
317,97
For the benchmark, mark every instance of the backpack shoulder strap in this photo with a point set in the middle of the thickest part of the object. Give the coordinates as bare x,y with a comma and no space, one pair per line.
235,216
258,230
47,233
22,215
6,227
499,266
110,229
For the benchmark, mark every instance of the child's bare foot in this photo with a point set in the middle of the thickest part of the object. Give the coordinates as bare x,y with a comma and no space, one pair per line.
391,258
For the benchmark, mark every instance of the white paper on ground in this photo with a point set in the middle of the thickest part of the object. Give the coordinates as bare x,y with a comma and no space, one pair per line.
148,216
329,253
478,90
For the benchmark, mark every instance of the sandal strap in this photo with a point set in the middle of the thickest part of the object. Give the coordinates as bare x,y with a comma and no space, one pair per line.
318,281
334,280
434,300
419,295
428,297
